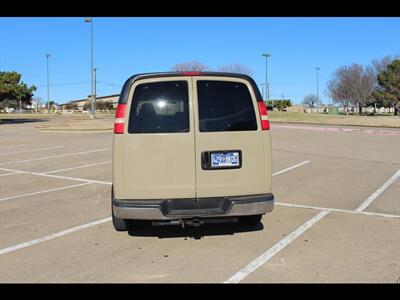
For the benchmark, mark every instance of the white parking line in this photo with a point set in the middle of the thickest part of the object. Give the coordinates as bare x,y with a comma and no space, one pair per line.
47,174
256,263
54,156
291,168
45,191
379,191
8,174
39,149
15,172
338,210
58,176
79,167
53,236
73,178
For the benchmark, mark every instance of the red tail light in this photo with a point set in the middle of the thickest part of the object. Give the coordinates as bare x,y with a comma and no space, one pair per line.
263,115
119,122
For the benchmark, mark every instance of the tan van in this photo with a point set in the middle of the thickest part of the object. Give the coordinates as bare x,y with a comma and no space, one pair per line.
191,148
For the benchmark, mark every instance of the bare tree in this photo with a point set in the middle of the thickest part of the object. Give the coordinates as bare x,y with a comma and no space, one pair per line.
311,100
362,85
380,65
236,68
189,66
352,85
340,87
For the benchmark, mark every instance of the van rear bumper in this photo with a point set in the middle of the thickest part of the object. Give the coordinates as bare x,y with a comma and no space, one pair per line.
169,209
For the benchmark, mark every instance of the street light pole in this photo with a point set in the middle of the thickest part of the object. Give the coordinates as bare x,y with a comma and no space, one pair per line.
90,20
317,69
266,74
48,88
95,92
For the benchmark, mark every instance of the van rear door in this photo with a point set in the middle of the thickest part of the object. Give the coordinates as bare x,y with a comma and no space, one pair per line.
230,144
159,140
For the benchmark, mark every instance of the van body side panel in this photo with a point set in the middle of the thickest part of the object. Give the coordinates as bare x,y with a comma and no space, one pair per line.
159,165
267,162
251,178
118,165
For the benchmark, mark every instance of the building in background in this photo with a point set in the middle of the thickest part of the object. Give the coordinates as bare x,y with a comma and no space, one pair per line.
81,102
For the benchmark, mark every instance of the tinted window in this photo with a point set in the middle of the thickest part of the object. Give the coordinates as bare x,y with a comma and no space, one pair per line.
160,107
225,106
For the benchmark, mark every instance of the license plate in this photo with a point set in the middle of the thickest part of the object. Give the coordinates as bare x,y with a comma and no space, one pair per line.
225,159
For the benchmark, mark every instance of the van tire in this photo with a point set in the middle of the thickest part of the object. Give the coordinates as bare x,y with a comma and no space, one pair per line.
251,220
119,224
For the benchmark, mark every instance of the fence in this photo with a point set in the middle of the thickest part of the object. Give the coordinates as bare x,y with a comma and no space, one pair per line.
350,110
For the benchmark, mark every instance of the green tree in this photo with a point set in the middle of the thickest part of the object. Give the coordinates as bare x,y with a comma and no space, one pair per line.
13,90
388,91
280,104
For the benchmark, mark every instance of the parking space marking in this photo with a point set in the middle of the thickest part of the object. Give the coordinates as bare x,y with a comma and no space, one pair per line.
45,191
47,174
33,150
54,156
53,236
55,171
379,191
338,210
291,168
8,174
73,178
79,167
58,176
260,260
264,257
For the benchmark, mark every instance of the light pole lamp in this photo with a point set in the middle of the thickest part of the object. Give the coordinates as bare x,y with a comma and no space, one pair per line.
90,20
48,87
266,55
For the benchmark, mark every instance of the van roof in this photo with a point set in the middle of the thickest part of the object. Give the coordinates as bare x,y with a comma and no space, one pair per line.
123,98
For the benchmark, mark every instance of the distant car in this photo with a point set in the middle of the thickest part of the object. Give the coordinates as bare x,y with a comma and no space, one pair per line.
191,148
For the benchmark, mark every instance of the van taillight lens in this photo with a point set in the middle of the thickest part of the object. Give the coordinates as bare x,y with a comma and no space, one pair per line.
119,122
263,115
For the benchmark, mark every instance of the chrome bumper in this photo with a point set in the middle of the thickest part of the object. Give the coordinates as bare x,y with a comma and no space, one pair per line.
170,209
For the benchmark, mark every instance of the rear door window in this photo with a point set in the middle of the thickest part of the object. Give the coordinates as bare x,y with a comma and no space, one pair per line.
160,107
225,106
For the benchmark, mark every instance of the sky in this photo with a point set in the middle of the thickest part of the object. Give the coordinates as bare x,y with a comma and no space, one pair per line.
124,46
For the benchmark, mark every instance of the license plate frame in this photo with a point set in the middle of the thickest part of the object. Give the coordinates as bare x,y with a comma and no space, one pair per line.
222,159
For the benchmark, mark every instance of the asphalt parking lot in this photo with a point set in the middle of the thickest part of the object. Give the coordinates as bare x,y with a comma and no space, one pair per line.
336,219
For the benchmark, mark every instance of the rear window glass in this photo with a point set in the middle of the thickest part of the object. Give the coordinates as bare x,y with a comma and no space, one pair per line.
160,107
225,106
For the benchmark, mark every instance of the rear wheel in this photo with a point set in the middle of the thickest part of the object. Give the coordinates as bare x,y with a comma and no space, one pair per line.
119,224
251,220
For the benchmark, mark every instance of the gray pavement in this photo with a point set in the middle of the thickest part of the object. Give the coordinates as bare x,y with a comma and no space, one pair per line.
47,232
